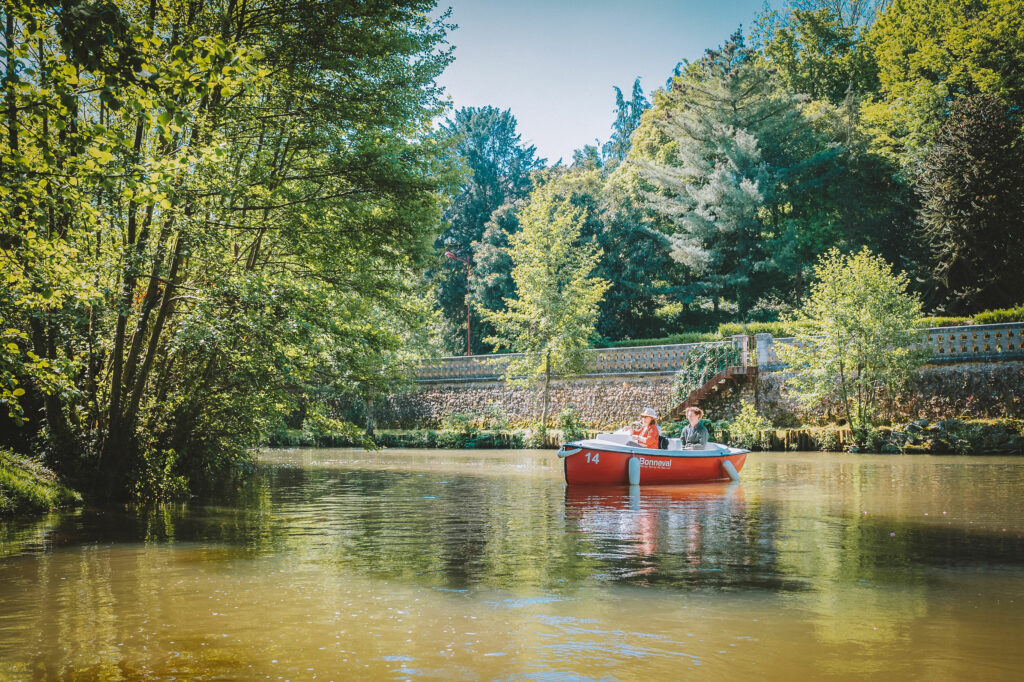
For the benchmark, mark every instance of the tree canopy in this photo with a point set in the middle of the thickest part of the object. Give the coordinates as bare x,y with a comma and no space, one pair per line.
207,209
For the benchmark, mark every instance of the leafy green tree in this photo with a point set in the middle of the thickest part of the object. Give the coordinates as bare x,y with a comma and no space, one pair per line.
492,282
734,165
858,343
929,53
817,53
209,209
551,320
972,188
498,168
634,258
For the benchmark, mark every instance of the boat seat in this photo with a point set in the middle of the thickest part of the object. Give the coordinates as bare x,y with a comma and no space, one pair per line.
617,438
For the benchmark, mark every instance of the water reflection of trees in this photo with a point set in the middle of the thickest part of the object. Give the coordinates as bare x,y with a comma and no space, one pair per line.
454,531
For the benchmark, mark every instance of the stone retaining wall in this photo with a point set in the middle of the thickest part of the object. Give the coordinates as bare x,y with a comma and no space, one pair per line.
972,390
976,372
604,402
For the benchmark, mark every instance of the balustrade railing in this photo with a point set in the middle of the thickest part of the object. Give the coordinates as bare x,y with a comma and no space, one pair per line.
976,342
969,343
601,361
949,344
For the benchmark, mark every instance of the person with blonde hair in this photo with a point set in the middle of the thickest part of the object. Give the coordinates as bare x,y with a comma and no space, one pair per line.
646,433
695,435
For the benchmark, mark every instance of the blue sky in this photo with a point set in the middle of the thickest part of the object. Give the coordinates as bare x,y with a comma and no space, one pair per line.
554,62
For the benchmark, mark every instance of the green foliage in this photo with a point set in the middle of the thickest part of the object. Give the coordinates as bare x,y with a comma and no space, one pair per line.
631,255
459,422
818,53
998,316
28,486
627,118
497,168
686,337
829,441
943,321
728,160
777,329
930,51
972,187
156,477
210,215
420,438
956,436
534,437
700,364
857,346
748,429
571,425
552,319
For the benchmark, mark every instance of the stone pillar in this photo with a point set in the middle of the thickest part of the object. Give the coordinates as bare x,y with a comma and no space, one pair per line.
767,359
741,341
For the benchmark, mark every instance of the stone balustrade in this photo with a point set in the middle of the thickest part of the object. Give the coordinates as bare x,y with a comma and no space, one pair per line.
971,343
976,342
601,362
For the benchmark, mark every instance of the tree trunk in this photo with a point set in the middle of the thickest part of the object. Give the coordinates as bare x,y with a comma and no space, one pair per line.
547,383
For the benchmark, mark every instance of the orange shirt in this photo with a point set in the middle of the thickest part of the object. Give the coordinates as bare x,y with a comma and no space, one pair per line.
647,438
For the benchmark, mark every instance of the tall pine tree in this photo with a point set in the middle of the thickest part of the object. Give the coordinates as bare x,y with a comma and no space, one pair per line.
732,163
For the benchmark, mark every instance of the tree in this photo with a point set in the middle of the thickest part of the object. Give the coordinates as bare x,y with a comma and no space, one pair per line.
627,118
972,188
930,52
858,343
551,320
492,282
733,164
212,208
498,166
817,53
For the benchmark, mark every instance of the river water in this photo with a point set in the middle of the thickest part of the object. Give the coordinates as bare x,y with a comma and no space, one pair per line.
415,564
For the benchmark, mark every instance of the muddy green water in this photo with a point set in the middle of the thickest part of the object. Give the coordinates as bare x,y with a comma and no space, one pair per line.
342,564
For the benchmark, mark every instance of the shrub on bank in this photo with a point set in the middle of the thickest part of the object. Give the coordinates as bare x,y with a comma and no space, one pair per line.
961,437
785,329
671,340
944,437
449,439
749,429
1000,316
28,486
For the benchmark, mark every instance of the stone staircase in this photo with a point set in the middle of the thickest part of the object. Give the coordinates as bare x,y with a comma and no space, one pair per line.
729,375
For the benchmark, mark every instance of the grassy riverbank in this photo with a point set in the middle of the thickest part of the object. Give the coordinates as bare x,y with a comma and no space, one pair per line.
27,486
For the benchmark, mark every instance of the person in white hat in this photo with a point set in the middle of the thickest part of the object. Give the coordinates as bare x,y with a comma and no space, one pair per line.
646,433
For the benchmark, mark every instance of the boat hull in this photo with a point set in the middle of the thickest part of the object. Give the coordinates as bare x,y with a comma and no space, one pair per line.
587,464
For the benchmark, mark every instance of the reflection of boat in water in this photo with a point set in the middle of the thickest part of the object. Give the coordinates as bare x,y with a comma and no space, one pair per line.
615,459
615,497
654,518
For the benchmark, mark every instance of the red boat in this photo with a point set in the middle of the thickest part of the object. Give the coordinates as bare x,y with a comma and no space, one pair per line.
615,459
